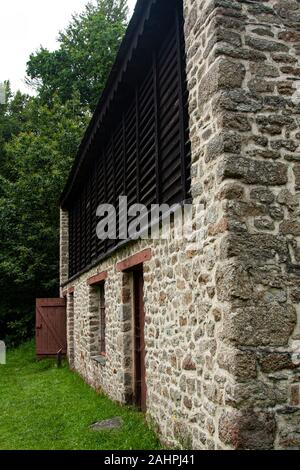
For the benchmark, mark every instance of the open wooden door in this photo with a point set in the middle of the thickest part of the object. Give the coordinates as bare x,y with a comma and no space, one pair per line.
51,331
140,391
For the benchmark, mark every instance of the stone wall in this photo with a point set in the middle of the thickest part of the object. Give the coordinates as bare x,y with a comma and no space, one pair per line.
222,316
244,76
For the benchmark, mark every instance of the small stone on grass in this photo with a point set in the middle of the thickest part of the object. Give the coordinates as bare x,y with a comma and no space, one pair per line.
113,423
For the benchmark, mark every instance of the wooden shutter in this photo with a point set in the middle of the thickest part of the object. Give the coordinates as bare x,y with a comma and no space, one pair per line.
142,149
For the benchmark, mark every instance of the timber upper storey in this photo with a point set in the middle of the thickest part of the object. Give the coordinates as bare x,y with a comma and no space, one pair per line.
137,143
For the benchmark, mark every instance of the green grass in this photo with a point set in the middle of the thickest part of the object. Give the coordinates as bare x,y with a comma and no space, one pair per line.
43,407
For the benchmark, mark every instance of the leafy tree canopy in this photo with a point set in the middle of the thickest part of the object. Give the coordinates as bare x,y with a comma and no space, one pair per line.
11,120
87,49
39,137
38,160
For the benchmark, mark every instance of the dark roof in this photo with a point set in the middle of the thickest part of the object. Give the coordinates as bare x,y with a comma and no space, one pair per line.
134,30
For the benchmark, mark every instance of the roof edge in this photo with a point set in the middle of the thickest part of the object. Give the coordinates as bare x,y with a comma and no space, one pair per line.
140,15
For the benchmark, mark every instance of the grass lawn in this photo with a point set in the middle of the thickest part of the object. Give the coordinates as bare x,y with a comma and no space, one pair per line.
43,407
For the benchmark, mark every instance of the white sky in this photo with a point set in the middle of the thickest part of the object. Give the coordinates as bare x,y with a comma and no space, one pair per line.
25,25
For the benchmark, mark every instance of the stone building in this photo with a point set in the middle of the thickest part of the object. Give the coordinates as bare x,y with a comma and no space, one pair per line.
203,104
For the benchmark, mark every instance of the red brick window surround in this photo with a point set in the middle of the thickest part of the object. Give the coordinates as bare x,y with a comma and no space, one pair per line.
134,260
69,291
97,279
102,320
97,283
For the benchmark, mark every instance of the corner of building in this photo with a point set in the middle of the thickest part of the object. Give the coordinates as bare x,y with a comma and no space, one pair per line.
243,78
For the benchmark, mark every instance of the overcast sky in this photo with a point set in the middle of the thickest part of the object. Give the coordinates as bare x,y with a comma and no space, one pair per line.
25,25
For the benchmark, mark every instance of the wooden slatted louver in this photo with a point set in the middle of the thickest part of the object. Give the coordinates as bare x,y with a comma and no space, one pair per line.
142,147
93,248
101,191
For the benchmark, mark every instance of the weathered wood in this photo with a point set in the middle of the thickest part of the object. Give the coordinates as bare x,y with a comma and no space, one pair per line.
51,334
97,279
140,387
141,148
135,260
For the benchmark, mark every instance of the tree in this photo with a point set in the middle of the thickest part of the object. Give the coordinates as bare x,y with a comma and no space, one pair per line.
40,157
39,137
87,49
11,120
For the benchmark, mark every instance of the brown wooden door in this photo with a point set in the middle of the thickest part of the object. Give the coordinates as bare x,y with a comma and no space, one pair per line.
51,334
139,337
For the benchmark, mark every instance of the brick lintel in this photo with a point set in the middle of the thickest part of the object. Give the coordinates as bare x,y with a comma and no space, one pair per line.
134,260
65,292
94,280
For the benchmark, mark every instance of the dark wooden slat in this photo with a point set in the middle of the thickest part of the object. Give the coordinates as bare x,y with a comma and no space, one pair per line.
166,45
149,154
137,145
143,150
167,72
181,103
124,152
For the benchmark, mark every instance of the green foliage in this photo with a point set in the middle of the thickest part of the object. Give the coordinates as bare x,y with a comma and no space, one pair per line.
39,159
11,120
39,137
85,55
46,408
